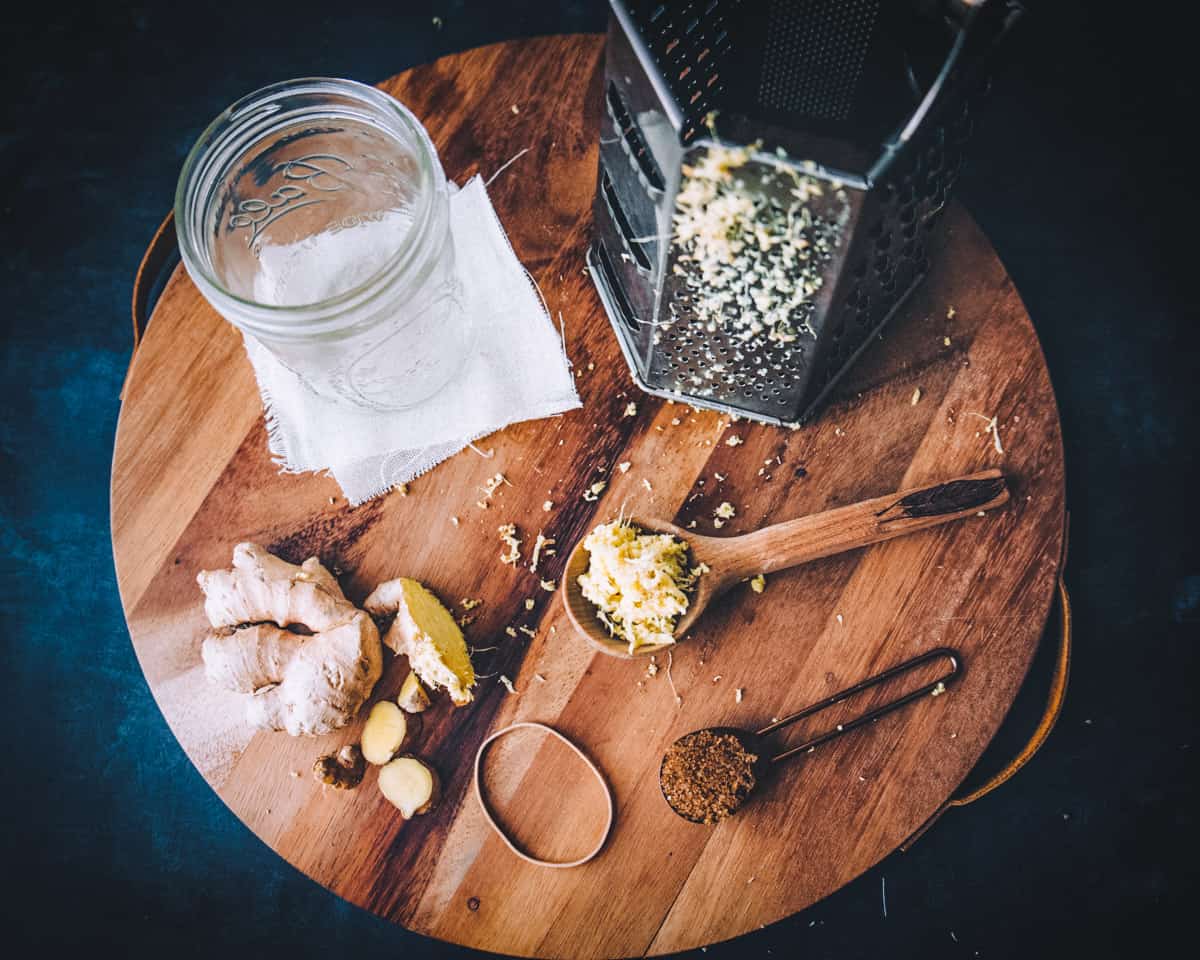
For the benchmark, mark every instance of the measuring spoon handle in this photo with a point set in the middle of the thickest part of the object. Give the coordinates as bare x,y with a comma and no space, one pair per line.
793,542
932,687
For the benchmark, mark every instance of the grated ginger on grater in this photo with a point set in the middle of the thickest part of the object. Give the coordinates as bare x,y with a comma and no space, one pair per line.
752,265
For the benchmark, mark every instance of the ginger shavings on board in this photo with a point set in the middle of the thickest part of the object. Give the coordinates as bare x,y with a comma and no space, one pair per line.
489,489
508,536
540,544
993,429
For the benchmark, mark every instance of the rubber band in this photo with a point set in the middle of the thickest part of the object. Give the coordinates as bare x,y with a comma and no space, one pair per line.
487,814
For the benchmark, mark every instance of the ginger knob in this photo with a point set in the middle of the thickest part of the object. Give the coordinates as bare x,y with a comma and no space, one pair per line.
343,771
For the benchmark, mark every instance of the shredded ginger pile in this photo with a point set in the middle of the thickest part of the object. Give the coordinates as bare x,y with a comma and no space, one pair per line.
638,582
751,264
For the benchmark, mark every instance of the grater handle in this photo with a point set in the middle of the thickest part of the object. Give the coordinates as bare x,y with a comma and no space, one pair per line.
793,542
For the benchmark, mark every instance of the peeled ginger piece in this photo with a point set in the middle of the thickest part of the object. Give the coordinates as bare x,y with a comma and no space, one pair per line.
410,786
427,634
388,731
412,697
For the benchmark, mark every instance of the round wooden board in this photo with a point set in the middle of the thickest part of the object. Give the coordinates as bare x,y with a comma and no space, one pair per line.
192,477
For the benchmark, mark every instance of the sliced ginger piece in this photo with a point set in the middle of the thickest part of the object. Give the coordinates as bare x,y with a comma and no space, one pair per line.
413,698
411,786
388,731
426,632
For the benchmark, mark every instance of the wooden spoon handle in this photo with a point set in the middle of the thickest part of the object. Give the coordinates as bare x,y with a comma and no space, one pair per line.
784,545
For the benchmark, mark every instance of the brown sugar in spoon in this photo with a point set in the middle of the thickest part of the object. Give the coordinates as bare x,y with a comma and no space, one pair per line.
733,559
707,775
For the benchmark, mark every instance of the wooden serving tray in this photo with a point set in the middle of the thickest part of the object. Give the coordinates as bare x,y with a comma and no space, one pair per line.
192,476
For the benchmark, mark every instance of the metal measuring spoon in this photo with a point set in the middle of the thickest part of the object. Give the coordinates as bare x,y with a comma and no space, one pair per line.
759,760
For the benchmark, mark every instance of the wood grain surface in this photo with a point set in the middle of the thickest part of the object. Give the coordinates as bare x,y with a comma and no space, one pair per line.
192,476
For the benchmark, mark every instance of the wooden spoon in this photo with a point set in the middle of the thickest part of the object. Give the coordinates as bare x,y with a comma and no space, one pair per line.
782,545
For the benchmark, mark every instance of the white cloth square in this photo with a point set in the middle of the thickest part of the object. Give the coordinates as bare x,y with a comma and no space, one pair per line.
518,371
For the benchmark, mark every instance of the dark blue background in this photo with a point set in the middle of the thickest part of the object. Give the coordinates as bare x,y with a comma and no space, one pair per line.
110,837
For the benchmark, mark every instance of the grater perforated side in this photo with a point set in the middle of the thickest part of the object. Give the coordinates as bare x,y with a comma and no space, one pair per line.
872,101
814,56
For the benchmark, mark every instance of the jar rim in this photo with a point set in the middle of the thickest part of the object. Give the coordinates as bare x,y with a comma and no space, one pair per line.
189,191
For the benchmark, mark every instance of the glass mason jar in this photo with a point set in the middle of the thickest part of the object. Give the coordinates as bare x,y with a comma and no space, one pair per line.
314,216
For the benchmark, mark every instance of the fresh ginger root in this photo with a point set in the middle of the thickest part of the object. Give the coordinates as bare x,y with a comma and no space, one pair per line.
304,684
387,732
410,786
343,771
413,698
261,587
427,634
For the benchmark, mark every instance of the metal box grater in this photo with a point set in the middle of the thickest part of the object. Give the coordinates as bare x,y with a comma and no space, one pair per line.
850,117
